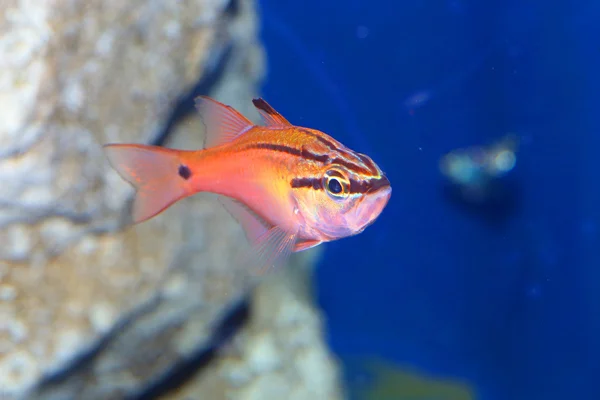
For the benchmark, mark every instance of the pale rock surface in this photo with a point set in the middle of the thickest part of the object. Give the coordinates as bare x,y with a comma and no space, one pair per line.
280,354
77,284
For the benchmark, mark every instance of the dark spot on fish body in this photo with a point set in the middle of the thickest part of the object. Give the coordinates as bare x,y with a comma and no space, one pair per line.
185,172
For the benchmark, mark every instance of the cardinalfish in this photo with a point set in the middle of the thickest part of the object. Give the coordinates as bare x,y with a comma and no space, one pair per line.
290,188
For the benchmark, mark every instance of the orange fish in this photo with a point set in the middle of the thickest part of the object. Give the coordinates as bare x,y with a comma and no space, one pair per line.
291,188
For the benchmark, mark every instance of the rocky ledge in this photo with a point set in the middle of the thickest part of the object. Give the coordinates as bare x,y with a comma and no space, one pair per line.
91,307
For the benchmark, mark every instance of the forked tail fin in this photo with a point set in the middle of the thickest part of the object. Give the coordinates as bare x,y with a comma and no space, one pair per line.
159,176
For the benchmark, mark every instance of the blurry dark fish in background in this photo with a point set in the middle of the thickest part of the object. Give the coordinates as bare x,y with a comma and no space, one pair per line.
474,170
480,180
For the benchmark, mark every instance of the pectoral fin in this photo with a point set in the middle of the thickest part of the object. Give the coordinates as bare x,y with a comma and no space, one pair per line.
253,225
270,246
271,250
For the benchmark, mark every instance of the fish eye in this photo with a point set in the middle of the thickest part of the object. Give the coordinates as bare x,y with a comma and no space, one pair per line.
335,184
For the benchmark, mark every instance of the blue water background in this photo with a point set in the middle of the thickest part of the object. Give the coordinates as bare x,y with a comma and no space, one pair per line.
507,300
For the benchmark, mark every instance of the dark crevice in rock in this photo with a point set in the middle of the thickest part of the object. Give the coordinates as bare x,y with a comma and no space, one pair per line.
184,105
180,373
233,8
188,367
82,364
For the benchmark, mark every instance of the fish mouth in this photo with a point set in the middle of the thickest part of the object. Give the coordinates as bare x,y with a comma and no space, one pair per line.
372,204
381,183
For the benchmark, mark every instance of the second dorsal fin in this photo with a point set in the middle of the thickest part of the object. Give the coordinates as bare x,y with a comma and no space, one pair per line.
222,122
268,113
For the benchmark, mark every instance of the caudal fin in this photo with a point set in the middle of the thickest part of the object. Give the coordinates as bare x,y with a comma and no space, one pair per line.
158,175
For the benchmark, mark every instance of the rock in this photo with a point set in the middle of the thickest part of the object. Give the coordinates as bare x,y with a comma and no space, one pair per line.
280,354
91,307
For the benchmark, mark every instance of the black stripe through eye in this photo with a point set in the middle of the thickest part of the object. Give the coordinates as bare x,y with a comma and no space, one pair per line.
314,183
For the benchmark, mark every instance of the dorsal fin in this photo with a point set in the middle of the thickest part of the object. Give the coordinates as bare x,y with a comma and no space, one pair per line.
222,122
268,113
